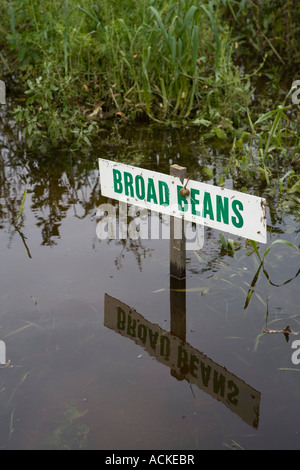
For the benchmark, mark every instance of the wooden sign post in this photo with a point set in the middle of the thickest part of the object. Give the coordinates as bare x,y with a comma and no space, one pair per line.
178,268
177,234
224,209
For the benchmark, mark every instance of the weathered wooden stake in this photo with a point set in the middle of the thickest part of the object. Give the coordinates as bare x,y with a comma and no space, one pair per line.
177,268
177,234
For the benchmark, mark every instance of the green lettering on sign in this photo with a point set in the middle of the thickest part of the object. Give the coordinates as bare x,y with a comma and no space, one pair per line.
222,210
128,184
118,187
140,187
151,194
194,201
163,190
237,206
207,206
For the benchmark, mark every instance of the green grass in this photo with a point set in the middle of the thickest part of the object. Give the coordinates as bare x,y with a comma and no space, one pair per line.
162,61
80,62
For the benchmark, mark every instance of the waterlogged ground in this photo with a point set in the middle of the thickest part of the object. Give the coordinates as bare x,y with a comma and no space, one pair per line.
93,361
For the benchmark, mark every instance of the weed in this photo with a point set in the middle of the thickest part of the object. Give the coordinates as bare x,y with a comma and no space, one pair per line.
168,62
261,265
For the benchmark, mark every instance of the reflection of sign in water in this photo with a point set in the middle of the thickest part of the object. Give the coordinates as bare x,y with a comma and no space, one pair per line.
184,361
2,92
220,208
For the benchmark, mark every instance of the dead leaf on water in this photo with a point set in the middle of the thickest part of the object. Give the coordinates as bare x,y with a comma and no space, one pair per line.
286,331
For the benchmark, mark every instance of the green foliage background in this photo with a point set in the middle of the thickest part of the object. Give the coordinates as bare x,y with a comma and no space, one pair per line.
81,62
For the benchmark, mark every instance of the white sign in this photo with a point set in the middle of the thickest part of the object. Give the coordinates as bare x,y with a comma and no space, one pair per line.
220,208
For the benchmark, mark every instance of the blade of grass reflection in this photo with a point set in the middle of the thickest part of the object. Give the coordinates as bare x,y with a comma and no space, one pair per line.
295,319
262,259
284,283
252,285
11,428
257,342
23,328
240,358
234,445
158,290
198,256
224,280
16,388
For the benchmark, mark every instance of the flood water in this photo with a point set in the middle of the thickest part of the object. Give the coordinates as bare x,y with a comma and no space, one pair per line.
97,355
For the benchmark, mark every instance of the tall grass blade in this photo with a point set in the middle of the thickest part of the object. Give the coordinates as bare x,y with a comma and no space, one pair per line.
160,23
187,19
217,38
21,208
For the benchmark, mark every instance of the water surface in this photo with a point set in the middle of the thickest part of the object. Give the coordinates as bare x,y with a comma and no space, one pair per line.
79,376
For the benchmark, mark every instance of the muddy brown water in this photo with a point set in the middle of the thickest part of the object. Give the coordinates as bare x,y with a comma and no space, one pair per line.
88,324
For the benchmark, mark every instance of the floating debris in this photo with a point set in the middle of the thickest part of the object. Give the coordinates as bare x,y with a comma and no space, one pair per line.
286,331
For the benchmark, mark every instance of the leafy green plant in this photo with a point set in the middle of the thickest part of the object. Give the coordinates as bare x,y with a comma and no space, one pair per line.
229,244
48,116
